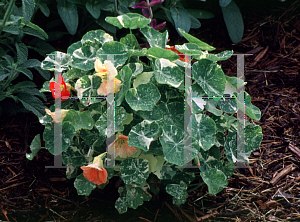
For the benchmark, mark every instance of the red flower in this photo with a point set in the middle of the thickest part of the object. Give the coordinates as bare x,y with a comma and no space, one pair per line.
64,92
121,148
181,56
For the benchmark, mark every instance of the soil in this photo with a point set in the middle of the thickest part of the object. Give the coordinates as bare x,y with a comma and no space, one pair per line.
266,189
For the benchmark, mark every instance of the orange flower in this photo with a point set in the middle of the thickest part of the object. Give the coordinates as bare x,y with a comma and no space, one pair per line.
107,72
121,148
172,48
52,114
95,172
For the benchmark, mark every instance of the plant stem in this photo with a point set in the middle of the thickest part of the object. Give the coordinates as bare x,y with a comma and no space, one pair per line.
150,10
7,14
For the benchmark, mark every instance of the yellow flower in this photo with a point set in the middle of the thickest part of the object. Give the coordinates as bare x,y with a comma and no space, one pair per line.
52,114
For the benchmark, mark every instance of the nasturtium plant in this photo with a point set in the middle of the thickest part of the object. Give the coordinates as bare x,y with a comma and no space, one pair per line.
143,115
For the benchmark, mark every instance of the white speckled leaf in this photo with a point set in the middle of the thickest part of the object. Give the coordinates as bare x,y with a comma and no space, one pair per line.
129,21
144,97
134,171
142,134
83,186
57,61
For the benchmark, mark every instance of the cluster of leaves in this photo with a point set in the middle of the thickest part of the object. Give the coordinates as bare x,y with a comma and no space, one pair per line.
14,60
150,109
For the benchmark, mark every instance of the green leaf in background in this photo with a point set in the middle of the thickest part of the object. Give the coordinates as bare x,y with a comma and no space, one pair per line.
172,113
68,14
227,104
22,52
155,38
31,31
144,97
143,78
250,110
142,134
215,180
181,19
224,3
210,77
26,72
84,58
235,82
136,68
80,120
192,39
96,37
159,53
234,22
200,14
134,171
35,27
175,143
211,106
28,9
35,146
167,72
195,24
178,191
94,8
117,48
129,21
73,47
32,104
68,132
203,129
44,8
57,61
83,186
87,87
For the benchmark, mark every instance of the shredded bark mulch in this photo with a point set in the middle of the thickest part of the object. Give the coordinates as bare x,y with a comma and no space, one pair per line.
266,189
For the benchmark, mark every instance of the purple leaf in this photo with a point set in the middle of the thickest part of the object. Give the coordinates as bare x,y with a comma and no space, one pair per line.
157,27
142,4
146,12
155,2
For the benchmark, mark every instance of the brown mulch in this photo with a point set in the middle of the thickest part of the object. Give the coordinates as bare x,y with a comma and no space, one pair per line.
268,189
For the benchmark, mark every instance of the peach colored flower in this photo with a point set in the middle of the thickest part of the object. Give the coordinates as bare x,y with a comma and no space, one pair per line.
52,114
107,72
121,148
95,172
103,91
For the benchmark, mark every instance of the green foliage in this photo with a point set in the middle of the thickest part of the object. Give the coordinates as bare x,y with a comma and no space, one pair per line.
149,108
14,60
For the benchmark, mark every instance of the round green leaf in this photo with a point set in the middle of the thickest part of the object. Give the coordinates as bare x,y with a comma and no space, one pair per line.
134,171
129,21
176,145
169,73
57,61
203,129
51,141
35,146
178,191
121,205
215,180
84,58
210,77
96,37
142,134
80,120
158,53
144,97
136,196
117,48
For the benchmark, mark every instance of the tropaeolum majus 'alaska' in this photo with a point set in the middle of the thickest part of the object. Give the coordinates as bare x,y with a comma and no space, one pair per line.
95,172
121,148
147,115
65,89
107,72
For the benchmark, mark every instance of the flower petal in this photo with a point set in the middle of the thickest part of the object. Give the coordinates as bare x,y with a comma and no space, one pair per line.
155,2
142,4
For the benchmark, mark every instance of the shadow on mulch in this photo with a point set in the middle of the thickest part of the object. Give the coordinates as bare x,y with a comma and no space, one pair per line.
268,189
